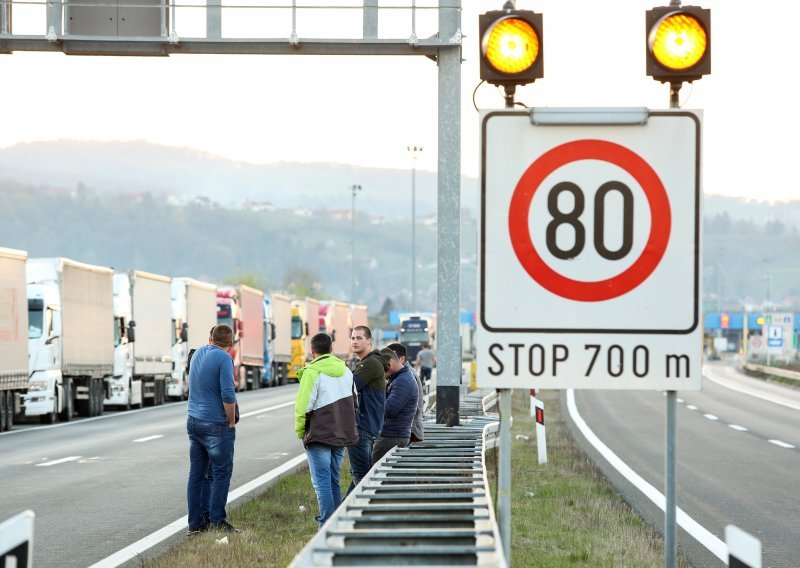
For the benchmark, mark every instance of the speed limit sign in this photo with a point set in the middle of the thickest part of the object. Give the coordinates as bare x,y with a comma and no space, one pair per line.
589,249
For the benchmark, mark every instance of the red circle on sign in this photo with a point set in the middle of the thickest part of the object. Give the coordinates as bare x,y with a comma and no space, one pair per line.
642,267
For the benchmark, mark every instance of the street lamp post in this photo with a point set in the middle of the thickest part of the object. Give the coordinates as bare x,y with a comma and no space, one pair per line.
414,150
355,188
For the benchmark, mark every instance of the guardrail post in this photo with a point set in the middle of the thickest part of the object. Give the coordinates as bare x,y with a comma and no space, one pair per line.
504,475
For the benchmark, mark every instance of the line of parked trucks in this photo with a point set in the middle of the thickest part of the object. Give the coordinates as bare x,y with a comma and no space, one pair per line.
76,338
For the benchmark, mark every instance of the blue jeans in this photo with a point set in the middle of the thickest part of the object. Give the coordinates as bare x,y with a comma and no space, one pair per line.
360,456
210,469
324,463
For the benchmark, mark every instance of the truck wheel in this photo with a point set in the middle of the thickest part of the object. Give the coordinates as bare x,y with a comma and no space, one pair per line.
101,396
3,411
92,402
10,410
50,417
69,409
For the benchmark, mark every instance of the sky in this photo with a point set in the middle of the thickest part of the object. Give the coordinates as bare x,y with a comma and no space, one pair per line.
367,110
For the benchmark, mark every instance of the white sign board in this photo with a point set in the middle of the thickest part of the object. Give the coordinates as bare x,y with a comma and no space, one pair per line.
589,269
779,329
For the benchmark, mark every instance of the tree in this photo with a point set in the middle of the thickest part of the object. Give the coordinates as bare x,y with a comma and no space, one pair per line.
251,279
299,282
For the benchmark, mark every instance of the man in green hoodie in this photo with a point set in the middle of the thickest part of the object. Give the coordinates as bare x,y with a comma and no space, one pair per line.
325,420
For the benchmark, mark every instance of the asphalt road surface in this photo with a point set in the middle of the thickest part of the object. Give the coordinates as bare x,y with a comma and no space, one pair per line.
98,485
738,457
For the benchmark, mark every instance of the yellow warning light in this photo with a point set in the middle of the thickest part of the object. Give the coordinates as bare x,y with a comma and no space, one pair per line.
678,41
511,45
760,320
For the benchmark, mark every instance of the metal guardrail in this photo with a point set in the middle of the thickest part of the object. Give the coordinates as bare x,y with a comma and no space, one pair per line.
425,505
785,373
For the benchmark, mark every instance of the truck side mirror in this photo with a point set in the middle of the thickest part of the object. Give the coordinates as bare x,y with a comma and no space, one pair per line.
333,335
306,324
185,332
272,331
132,332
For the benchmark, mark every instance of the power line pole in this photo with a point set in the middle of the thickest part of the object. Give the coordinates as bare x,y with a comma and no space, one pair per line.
414,151
355,188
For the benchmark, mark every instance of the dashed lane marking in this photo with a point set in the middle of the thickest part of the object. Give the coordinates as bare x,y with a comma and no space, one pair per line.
711,416
148,438
737,427
56,462
782,444
691,407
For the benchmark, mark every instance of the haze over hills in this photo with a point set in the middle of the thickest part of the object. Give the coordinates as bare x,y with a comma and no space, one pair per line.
127,167
133,205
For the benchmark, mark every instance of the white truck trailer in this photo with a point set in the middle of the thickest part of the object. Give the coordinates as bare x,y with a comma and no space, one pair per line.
13,335
143,339
280,337
71,343
338,327
194,313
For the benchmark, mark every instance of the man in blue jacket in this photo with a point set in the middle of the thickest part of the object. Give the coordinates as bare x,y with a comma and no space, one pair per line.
400,409
211,425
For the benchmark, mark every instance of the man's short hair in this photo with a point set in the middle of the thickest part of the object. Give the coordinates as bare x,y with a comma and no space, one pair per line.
398,348
321,344
222,335
389,353
365,330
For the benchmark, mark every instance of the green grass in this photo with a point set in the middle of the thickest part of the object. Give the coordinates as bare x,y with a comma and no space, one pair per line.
564,513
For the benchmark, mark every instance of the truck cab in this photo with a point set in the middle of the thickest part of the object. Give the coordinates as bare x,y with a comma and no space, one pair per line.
123,390
45,396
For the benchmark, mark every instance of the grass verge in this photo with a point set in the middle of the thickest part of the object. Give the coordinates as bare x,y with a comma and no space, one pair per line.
564,513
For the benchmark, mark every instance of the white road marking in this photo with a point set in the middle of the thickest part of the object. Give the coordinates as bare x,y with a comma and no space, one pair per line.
148,438
269,409
55,462
680,401
782,444
702,535
711,417
691,407
140,546
737,427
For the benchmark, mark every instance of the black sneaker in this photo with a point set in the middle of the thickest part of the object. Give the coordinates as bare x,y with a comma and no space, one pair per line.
197,530
224,526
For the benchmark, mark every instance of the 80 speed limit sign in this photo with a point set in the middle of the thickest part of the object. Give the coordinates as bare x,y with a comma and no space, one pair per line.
589,250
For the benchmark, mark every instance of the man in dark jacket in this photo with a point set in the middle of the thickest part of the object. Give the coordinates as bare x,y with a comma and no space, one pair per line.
370,380
401,407
325,420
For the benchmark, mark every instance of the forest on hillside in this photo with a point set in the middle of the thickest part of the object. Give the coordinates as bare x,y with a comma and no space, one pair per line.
745,260
277,250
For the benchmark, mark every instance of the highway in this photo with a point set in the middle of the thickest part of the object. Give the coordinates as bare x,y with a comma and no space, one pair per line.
738,457
98,485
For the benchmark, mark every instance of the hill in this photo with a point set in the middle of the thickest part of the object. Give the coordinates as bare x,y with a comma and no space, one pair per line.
136,167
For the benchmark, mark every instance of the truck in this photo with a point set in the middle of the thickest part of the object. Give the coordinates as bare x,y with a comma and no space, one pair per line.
280,334
305,325
358,316
242,308
70,339
194,313
415,331
14,331
143,337
335,321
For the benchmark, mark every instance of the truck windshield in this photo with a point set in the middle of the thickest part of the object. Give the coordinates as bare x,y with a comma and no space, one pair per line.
224,315
297,327
414,336
35,319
